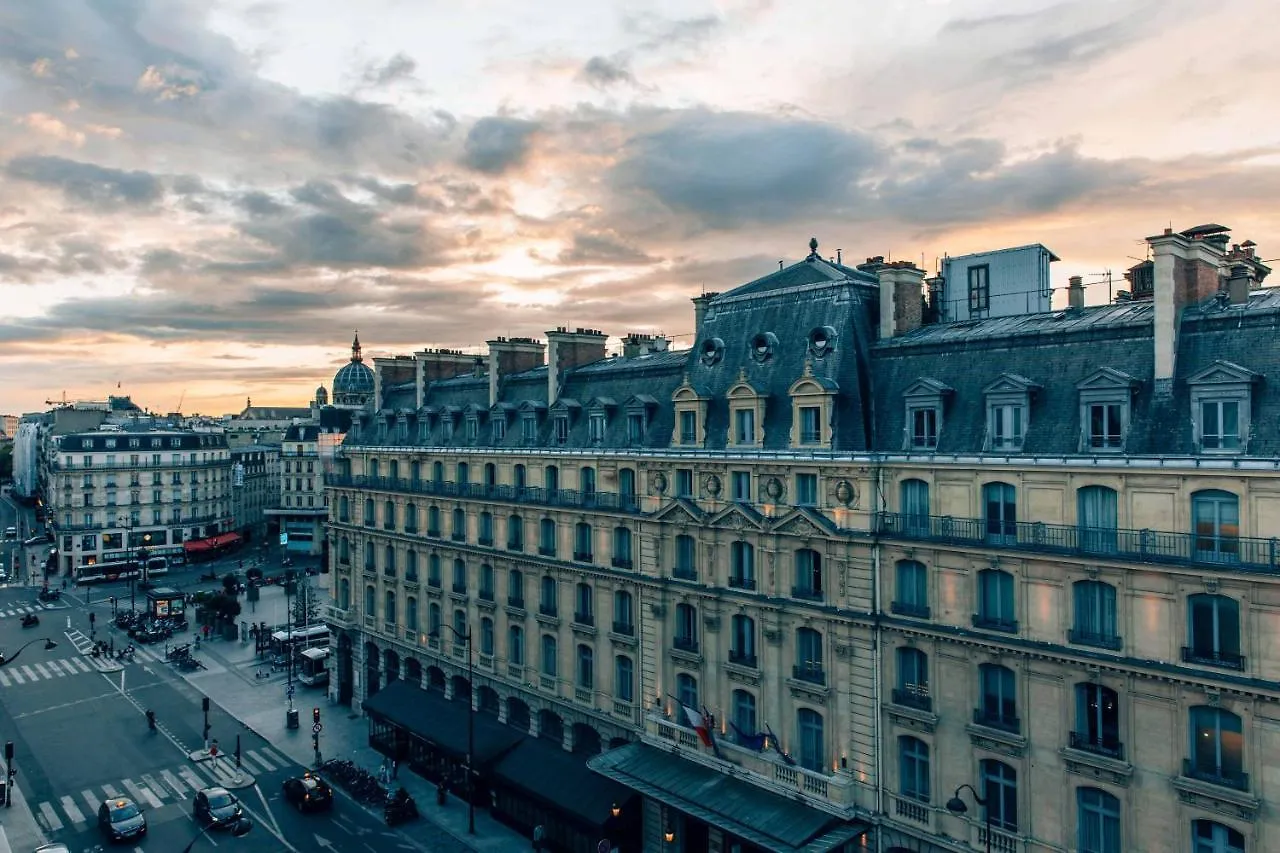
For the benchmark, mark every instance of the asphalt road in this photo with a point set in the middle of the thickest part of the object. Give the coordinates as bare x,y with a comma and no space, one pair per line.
81,736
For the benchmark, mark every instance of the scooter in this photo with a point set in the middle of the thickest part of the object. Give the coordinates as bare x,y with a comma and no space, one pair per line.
30,620
400,808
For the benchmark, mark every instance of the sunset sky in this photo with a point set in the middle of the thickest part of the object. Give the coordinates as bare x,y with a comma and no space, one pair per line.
202,200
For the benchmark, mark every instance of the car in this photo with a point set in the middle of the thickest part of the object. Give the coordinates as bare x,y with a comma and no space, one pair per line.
216,807
120,819
10,533
308,793
56,847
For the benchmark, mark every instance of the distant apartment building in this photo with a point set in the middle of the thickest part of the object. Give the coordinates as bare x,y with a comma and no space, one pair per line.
306,455
255,488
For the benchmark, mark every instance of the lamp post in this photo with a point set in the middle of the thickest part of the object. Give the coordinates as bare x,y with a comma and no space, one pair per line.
471,727
239,829
49,645
956,806
126,521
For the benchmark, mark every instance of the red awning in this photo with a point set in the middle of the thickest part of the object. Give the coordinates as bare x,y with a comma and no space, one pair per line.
222,540
196,545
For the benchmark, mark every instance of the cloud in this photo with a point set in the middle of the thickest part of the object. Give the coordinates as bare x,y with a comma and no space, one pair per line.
602,72
96,186
345,240
398,68
655,33
602,249
259,203
497,143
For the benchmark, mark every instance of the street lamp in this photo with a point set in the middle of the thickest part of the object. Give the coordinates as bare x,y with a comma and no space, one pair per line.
239,829
471,726
49,645
956,806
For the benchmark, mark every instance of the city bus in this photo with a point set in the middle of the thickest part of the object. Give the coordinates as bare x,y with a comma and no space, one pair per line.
120,570
289,643
313,666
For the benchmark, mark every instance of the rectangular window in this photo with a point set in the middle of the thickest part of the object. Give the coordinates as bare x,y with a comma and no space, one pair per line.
528,430
688,427
684,482
741,486
561,430
635,428
806,489
924,429
810,424
1220,424
447,424
979,288
473,430
744,426
595,428
1106,426
499,427
1008,421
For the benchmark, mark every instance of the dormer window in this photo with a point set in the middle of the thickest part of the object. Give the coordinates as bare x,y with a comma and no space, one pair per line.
529,428
1105,397
595,427
473,429
1008,412
924,400
638,407
812,404
562,414
635,428
744,426
498,414
746,413
690,415
561,427
1221,401
446,425
688,431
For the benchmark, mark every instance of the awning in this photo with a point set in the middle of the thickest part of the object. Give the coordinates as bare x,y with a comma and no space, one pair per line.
432,717
222,540
753,814
577,790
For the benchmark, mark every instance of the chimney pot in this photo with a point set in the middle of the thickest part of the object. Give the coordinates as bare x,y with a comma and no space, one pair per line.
1075,292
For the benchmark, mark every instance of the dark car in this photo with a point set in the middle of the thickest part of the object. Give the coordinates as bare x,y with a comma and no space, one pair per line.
309,793
216,807
121,819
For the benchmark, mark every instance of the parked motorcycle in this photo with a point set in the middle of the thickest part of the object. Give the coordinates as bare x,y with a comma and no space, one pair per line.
47,594
30,620
400,808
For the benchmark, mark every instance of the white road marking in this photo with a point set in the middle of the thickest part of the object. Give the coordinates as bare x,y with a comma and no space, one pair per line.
17,677
154,787
142,794
172,781
252,758
92,800
112,791
73,811
276,757
189,776
55,822
40,668
82,666
4,680
30,673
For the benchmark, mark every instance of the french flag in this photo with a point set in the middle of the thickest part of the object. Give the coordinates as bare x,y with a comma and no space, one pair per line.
700,724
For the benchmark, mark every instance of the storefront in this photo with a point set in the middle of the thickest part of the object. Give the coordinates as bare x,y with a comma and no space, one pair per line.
428,734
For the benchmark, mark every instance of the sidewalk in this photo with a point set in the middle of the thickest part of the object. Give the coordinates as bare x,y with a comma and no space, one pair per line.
261,704
19,831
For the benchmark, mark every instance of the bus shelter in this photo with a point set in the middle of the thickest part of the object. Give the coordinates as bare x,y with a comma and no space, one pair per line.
165,602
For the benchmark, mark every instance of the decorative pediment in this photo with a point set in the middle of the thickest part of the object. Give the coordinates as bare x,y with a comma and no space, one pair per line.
450,412
501,411
1011,383
927,386
640,402
810,385
803,521
737,517
601,404
1223,373
429,411
473,411
680,510
1108,379
565,406
686,393
743,387
531,407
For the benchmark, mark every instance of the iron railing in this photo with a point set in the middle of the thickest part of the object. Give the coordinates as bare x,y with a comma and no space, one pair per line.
915,696
1110,747
1213,657
1237,780
609,501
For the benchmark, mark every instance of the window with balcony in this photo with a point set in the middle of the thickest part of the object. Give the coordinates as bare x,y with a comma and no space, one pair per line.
911,589
486,636
582,549
463,476
622,558
370,601
388,515
1216,516
808,567
586,669
433,620
459,525
684,483
344,551
997,702
1213,631
584,610
999,784
742,565
744,717
389,611
410,518
550,663
806,489
913,679
411,565
515,588
627,494
459,626
1000,510
547,537
624,679
437,472
551,478
587,482
486,528
742,640
519,478
1097,518
433,521
370,560
686,557
740,486
515,645
486,582
686,638
1097,720
1208,836
369,518
547,598
1095,615
995,601
1217,748
389,561
812,739
433,570
913,769
515,533
808,665
686,695
411,613
459,576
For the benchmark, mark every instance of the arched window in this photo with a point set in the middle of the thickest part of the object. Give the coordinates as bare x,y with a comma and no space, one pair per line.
744,717
344,551
370,561
547,603
809,731
622,548
742,565
459,525
486,528
1000,510
389,515
1097,516
999,783
995,601
809,656
627,487
913,769
389,561
550,666
490,475
686,694
389,612
742,640
1097,821
344,594
623,679
433,620
515,645
1095,615
1216,517
582,550
370,601
1217,747
459,576
1208,836
686,627
344,509
369,520
487,583
1097,720
486,636
411,613
515,533
913,679
808,575
515,588
519,478
411,565
586,675
623,615
584,605
410,518
433,570
1213,630
547,537
459,626
998,704
686,557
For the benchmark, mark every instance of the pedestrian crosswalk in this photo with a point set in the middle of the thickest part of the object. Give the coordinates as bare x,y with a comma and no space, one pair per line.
16,674
173,785
8,611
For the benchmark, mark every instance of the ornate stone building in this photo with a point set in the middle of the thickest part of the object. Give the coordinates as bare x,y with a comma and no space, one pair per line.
814,576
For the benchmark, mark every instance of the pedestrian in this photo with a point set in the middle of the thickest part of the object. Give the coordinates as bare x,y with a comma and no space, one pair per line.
64,583
395,769
206,631
382,773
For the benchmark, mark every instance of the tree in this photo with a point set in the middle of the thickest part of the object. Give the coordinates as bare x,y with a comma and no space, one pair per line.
6,461
306,604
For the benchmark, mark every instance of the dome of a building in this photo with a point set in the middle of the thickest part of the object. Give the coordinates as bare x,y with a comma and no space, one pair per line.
355,378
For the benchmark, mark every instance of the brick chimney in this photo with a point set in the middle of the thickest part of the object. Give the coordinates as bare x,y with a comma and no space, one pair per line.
390,371
1185,272
639,343
700,304
901,298
1239,284
1075,292
511,355
567,350
433,364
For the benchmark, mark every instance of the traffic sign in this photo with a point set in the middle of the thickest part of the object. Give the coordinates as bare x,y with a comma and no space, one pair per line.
289,691
317,728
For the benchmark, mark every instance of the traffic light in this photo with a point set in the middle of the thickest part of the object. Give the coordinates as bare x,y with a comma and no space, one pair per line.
93,617
315,716
8,750
204,703
113,601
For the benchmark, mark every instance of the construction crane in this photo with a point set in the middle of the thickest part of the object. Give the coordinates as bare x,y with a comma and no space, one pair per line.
178,409
63,402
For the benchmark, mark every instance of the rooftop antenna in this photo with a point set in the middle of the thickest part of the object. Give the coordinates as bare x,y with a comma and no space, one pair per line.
839,256
779,263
